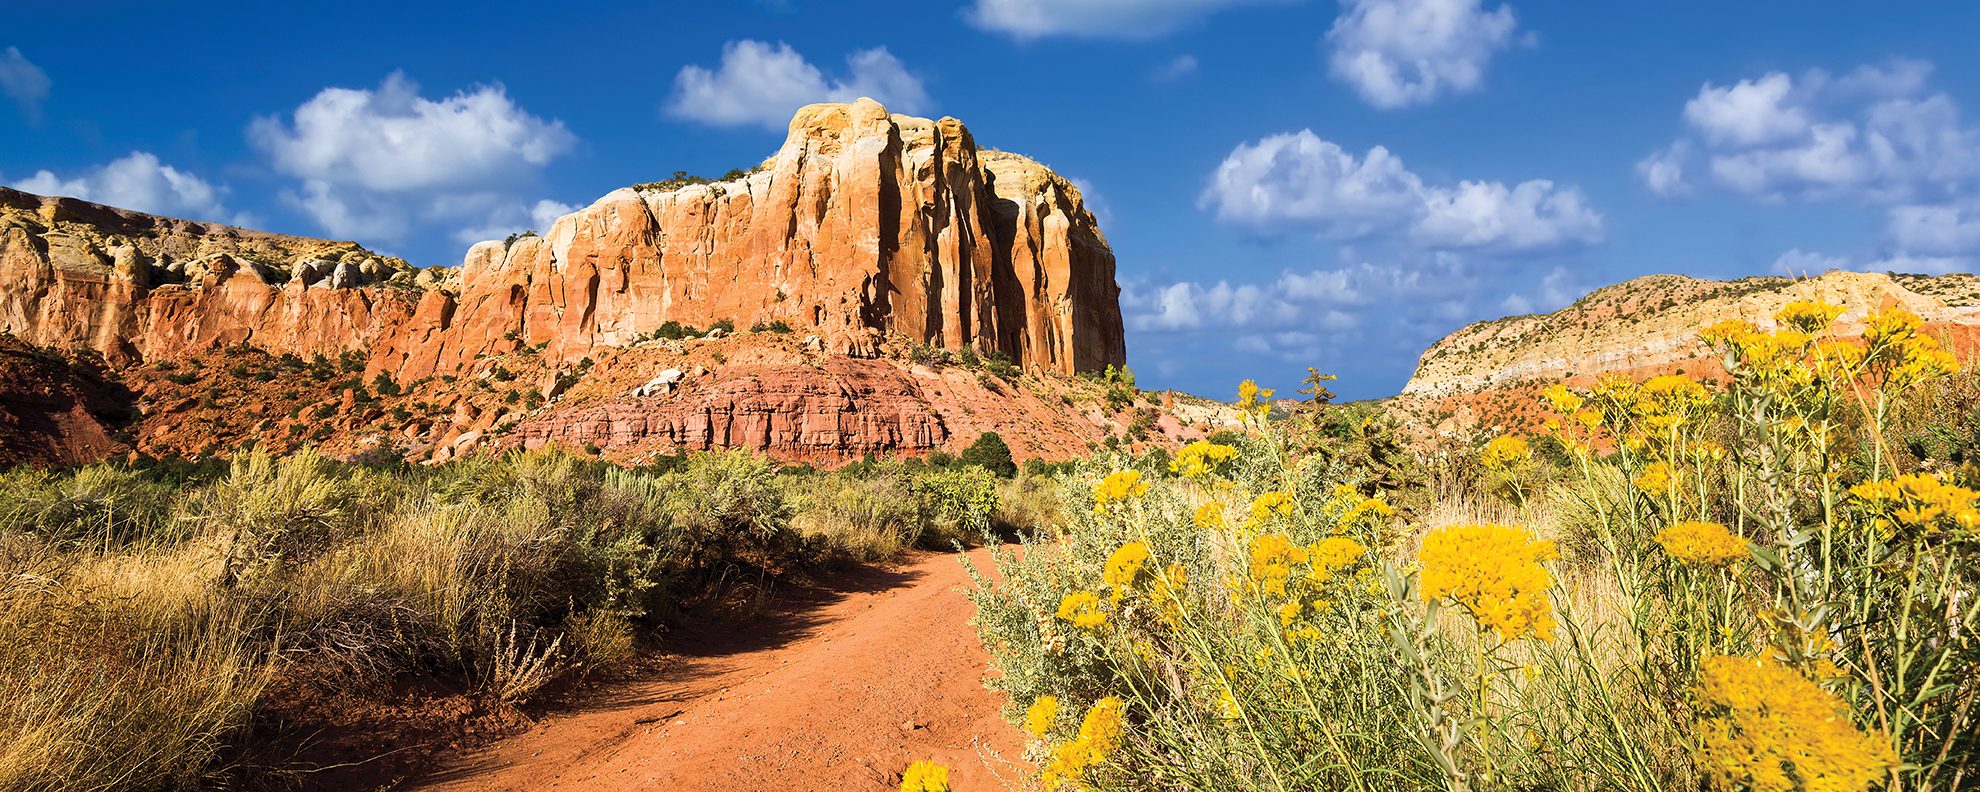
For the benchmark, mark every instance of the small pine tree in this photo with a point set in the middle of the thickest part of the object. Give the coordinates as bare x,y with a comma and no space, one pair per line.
990,453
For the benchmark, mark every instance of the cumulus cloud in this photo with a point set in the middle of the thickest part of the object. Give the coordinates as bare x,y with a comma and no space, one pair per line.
1877,135
1377,315
1396,53
1128,19
1801,263
1663,171
371,162
23,82
136,181
761,84
1747,113
1299,181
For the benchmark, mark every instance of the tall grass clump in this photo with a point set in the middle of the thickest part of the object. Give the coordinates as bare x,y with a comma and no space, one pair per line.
1748,583
143,613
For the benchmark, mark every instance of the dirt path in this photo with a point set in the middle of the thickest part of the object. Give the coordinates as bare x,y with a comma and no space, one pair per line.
837,689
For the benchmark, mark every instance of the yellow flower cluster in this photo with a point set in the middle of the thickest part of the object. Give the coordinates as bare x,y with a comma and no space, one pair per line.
1657,479
1702,543
1774,730
1808,316
1269,506
1921,502
1769,359
925,776
1209,516
1671,398
1099,737
1202,459
1272,557
1333,554
1039,717
1506,455
1900,352
1495,573
1349,507
1253,401
1124,568
1116,489
1082,608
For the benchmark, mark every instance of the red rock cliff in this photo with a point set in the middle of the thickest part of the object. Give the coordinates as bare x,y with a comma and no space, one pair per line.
863,221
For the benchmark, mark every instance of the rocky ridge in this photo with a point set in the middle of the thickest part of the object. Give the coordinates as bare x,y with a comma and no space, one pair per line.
1649,326
868,240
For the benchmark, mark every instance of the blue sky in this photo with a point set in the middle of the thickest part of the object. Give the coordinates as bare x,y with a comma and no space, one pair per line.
1286,183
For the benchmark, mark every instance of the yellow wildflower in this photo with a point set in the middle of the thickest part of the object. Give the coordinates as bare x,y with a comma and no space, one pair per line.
1808,316
1227,706
1920,502
1289,612
1253,401
1702,543
1563,400
1117,488
1124,568
925,776
1272,557
1506,454
1038,718
1269,505
1495,573
1773,730
1209,516
1099,737
1331,555
1202,459
1673,394
1082,608
1657,479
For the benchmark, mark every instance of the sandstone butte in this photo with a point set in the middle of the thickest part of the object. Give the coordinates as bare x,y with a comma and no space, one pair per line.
1649,326
869,234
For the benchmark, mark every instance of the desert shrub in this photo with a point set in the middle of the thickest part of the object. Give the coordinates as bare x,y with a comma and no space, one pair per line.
990,453
1742,585
103,504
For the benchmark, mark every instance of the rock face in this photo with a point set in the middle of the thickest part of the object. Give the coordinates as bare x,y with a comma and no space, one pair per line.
1494,371
1652,323
865,237
863,222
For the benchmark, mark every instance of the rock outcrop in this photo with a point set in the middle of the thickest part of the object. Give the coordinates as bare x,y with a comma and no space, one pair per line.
1648,326
868,240
1653,322
863,222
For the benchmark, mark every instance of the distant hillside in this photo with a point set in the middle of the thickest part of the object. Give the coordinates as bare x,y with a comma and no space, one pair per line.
1649,326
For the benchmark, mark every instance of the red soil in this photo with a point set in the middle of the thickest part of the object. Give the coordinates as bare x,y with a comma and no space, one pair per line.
838,689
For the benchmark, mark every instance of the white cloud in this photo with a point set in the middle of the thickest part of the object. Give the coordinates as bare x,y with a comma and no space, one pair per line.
1876,136
1300,182
1396,53
515,219
372,162
1181,66
1129,19
136,181
1936,229
1663,171
1748,113
1873,134
23,82
763,84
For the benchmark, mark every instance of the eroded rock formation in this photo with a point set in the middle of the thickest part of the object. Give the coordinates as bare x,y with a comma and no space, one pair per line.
863,221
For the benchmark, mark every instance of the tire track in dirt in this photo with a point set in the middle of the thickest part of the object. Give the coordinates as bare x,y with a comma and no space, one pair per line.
837,688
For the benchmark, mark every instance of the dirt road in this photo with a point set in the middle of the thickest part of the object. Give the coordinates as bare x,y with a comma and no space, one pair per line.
837,688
